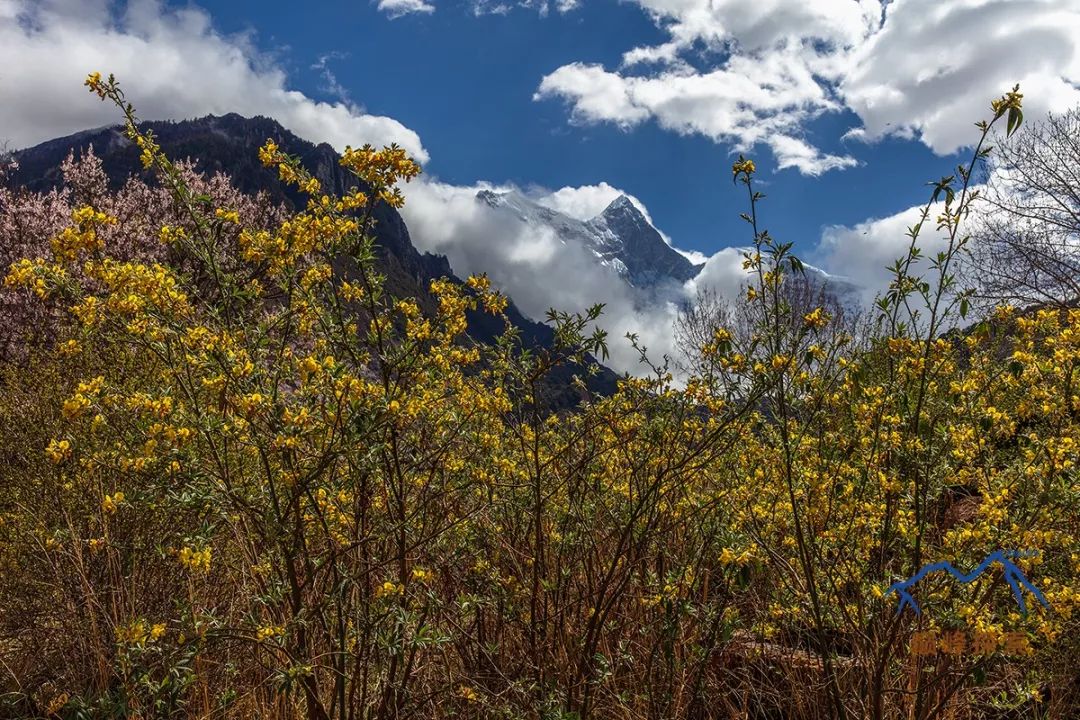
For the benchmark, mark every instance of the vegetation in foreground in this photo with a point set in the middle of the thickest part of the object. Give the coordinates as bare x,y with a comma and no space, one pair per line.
240,480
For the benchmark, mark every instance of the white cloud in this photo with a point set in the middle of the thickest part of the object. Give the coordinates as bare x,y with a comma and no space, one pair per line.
933,67
585,202
723,273
764,24
796,153
865,251
693,256
330,82
399,8
171,63
504,7
745,74
774,64
746,101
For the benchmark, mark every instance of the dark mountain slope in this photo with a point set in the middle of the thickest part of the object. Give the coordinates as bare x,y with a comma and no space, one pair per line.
229,144
647,258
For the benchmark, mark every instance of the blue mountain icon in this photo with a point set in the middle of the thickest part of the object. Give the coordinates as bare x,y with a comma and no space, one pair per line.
1013,575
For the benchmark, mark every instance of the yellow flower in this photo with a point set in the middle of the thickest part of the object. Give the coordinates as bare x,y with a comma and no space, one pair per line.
57,704
111,502
138,632
266,632
816,319
268,153
388,588
743,166
75,406
478,282
197,560
93,81
230,216
58,451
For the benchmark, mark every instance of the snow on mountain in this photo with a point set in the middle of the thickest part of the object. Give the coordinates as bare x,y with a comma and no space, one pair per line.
622,239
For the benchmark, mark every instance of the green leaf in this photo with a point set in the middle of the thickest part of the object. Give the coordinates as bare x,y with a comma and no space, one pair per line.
1016,119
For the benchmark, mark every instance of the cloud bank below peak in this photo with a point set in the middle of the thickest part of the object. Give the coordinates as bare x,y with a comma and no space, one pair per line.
195,71
538,266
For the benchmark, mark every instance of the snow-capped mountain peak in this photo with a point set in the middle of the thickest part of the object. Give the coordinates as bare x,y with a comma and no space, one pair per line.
622,204
620,237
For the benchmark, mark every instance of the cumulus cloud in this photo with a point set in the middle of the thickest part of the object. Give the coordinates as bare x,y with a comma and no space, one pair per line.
399,8
796,153
865,251
764,24
744,102
967,52
755,74
723,273
774,67
585,202
171,62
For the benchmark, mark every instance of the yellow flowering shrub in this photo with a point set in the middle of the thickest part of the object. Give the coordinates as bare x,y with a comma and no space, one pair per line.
251,483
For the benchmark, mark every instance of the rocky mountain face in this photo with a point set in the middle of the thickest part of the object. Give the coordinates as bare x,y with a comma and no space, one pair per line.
620,238
229,144
638,246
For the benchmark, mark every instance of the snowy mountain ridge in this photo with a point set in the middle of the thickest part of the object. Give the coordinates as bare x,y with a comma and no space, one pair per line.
622,238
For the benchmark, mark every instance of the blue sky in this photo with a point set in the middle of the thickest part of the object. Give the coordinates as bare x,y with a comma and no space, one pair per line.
466,85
